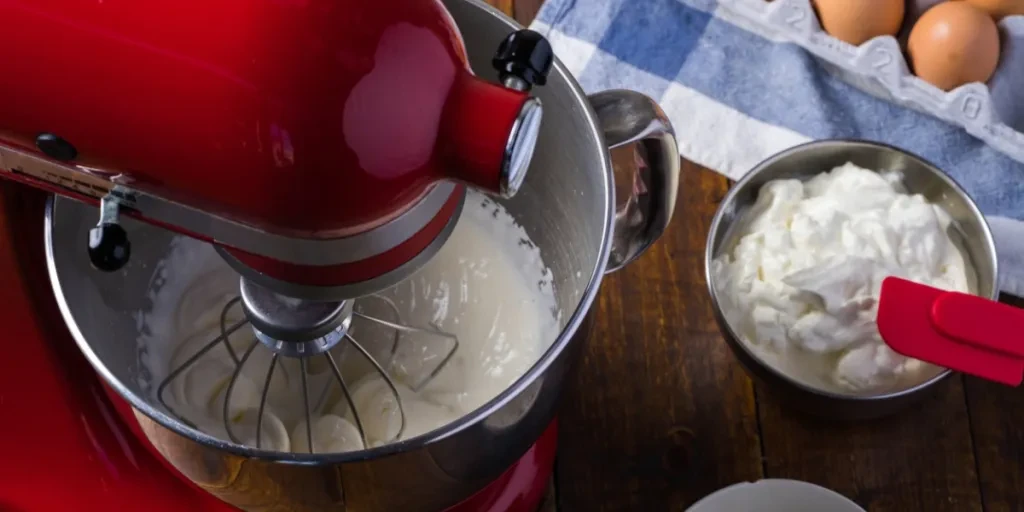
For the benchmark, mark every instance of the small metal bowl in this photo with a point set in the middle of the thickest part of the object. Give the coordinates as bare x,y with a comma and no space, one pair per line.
802,162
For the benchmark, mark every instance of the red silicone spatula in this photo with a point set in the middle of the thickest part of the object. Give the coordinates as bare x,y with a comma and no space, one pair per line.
962,332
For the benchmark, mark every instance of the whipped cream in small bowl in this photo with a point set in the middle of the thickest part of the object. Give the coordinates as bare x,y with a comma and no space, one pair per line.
796,256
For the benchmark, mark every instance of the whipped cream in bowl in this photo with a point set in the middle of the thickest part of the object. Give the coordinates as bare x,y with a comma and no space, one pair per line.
796,257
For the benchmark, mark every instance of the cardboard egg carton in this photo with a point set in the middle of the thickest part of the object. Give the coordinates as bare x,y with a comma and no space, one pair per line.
993,113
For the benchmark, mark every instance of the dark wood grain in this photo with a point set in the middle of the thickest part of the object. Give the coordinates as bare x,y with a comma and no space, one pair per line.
659,415
918,460
997,417
526,10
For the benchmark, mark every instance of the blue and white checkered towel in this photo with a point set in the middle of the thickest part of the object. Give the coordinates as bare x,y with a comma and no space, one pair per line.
736,97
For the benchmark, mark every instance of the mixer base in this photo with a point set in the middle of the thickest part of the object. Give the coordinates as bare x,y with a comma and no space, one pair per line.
64,445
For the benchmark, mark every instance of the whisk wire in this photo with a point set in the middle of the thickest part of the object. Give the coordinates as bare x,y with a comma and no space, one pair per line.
223,323
231,388
348,398
399,328
417,330
398,319
224,333
387,380
263,401
305,400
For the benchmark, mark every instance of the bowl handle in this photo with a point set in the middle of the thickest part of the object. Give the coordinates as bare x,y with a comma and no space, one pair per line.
645,193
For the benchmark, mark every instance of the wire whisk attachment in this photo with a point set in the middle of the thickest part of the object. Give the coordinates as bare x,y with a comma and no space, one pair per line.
229,358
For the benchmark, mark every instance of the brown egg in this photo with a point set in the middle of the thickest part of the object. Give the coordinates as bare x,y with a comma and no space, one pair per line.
952,44
999,9
856,21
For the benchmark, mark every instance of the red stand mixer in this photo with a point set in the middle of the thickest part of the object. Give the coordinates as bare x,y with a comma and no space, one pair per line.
324,148
324,145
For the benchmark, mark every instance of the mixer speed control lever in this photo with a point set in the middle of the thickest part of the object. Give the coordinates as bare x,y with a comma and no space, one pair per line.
523,60
109,248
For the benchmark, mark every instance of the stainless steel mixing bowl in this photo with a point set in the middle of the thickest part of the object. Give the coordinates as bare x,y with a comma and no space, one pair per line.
972,234
568,207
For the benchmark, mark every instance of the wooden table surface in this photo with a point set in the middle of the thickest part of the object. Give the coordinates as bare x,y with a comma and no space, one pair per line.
661,413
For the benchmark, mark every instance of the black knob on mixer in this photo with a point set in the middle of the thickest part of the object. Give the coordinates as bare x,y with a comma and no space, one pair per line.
523,60
109,248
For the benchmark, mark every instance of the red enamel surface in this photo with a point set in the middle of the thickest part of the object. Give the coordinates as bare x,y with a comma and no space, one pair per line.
66,444
962,332
313,118
524,486
359,270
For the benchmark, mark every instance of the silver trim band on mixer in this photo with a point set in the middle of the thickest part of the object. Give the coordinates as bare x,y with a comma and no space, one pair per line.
84,181
358,289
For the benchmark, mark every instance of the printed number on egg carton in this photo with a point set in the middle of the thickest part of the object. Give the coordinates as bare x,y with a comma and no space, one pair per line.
992,112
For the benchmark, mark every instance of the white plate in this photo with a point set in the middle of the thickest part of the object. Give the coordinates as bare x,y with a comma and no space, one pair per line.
775,495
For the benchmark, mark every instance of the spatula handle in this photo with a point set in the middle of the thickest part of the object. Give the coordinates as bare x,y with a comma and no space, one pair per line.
979,321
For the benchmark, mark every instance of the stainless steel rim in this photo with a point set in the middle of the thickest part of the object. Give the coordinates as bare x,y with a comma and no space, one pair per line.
709,255
560,343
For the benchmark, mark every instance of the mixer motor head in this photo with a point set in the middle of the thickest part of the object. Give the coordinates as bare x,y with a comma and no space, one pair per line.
324,147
